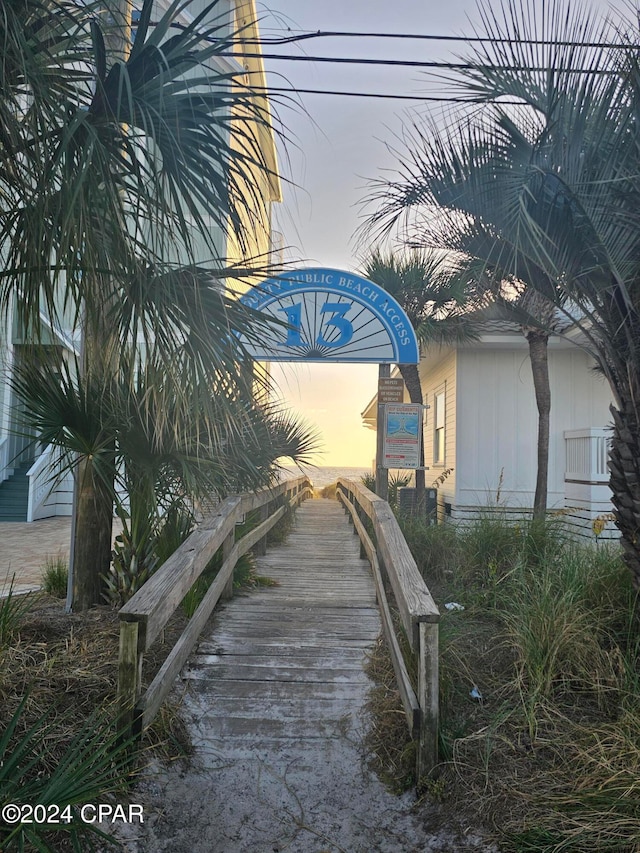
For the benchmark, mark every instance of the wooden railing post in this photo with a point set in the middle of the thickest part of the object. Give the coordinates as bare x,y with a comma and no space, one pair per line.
260,548
227,545
129,677
428,699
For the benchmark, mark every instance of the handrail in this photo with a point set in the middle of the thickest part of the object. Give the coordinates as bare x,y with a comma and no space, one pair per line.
419,614
39,478
147,612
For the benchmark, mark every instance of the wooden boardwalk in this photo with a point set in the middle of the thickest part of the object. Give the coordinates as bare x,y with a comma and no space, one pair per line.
285,662
274,702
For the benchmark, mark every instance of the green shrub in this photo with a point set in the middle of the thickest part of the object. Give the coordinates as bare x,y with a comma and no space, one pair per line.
176,527
329,492
436,548
550,636
244,576
97,762
395,483
55,577
13,609
279,532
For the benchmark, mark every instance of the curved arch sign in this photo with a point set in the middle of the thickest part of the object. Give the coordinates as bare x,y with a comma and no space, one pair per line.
330,315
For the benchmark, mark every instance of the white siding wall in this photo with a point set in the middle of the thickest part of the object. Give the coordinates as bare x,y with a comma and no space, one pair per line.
441,377
497,421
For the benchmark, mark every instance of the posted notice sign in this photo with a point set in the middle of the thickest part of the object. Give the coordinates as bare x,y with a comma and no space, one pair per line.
390,390
402,435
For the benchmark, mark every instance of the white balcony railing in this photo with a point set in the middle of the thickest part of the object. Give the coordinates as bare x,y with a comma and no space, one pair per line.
587,451
5,470
49,488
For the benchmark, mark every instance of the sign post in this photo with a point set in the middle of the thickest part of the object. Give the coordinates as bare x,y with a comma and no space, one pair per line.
382,474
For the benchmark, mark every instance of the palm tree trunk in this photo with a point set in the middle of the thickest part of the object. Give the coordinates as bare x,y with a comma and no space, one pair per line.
624,470
94,485
409,373
92,539
93,528
538,355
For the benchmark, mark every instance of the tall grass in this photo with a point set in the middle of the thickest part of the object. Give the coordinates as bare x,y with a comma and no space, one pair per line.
46,756
55,576
13,608
565,619
550,637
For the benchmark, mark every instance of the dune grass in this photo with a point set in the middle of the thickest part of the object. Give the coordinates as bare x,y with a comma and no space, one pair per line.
540,684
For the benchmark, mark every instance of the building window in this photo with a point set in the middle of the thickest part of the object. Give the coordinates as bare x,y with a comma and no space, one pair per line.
438,429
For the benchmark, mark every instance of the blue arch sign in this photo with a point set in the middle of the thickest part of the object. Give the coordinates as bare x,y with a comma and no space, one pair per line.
331,315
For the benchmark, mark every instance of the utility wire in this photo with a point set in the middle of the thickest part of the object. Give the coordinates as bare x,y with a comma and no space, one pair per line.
404,63
381,95
306,36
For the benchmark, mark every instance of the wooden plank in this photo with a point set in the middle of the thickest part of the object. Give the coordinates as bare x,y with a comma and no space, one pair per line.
156,601
409,700
278,647
269,692
306,638
249,540
365,497
280,672
157,691
369,547
129,675
414,600
412,595
260,547
162,683
263,496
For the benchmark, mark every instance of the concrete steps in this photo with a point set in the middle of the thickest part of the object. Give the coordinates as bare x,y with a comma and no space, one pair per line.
14,495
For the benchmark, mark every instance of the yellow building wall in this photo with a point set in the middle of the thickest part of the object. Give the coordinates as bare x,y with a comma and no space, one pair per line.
252,133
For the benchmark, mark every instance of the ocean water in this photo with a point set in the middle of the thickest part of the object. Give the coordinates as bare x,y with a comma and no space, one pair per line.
325,475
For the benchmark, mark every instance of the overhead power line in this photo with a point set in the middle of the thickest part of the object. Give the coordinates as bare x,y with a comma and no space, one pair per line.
381,95
408,63
307,36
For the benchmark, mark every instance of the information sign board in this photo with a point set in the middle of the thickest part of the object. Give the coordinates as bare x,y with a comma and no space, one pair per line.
390,390
402,435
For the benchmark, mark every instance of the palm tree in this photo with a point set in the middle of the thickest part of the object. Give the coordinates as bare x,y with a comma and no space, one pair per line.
165,466
586,179
114,173
434,293
460,189
454,173
573,200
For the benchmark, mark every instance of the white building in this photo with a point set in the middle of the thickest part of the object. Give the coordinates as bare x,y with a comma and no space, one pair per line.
480,430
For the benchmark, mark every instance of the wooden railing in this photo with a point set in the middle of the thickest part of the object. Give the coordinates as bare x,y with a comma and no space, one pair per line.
418,612
145,615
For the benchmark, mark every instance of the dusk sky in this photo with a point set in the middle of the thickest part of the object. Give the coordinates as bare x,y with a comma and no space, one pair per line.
336,145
